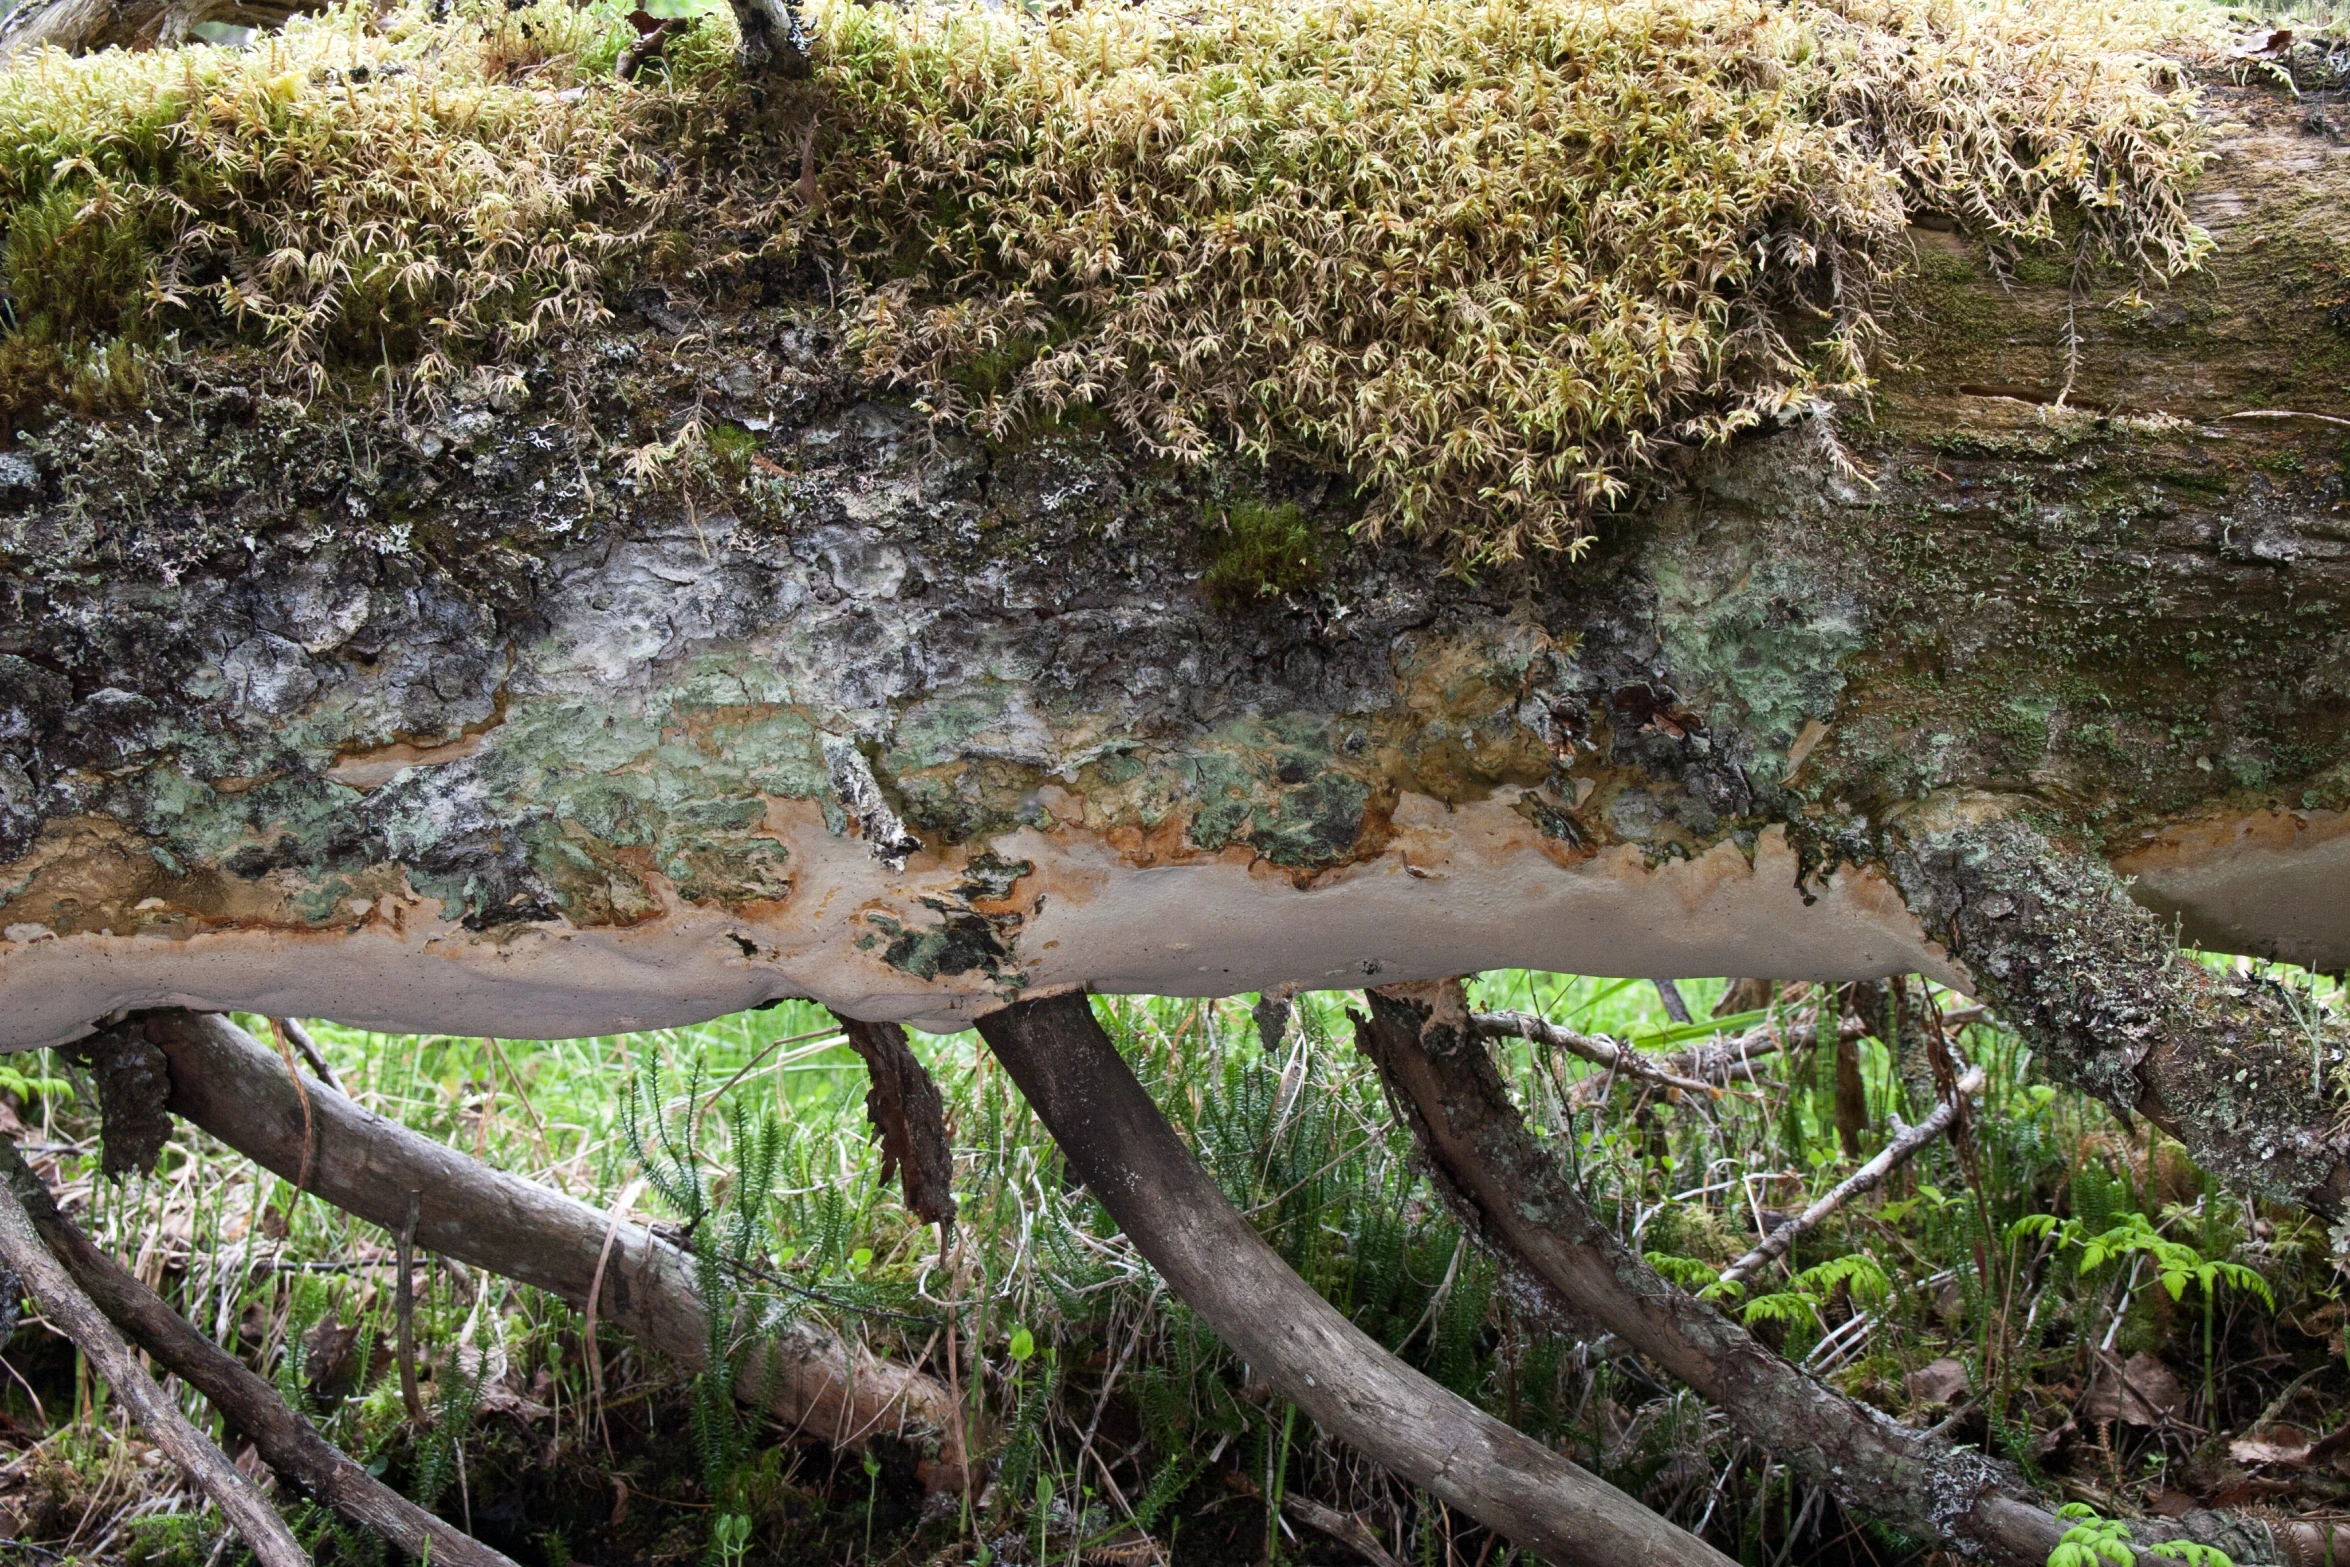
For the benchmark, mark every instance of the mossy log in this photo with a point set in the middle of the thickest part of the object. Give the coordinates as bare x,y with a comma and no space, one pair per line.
2015,673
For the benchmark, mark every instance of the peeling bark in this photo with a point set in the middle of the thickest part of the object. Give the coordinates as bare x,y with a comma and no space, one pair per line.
909,1118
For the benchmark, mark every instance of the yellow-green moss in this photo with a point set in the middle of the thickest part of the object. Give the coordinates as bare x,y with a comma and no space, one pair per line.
1496,258
1258,550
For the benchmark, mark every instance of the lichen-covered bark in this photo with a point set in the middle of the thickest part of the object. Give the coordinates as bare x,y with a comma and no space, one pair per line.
484,719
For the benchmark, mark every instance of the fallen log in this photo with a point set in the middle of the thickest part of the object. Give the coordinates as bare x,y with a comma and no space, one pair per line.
73,1314
1528,1211
1131,1160
809,1380
288,1443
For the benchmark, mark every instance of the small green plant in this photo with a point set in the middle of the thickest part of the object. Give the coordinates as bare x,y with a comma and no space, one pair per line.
2093,1541
1261,551
730,1537
725,1229
1809,1290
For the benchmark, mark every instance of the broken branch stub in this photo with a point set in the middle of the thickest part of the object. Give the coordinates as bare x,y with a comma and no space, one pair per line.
75,1316
909,1117
288,1443
810,1380
1514,1195
1132,1161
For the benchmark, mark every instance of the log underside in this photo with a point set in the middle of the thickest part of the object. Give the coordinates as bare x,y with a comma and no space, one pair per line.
460,726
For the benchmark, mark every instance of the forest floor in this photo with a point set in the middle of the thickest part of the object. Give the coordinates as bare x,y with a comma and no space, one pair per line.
2087,1303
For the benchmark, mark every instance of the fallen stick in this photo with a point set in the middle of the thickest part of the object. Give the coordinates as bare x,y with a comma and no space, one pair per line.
228,1083
72,1312
1621,1060
1131,1160
288,1443
1870,1175
1514,1194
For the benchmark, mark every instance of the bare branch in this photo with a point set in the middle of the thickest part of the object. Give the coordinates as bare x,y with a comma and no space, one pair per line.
73,1313
1868,1177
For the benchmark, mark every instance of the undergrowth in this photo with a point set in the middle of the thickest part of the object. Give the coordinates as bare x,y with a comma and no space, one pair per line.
1500,260
1114,1426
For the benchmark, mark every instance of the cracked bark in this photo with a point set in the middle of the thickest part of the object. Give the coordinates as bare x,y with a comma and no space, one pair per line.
2093,982
1524,1207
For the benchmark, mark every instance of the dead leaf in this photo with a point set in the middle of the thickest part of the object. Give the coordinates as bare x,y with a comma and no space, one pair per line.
1937,1382
2278,1445
2142,1392
2263,44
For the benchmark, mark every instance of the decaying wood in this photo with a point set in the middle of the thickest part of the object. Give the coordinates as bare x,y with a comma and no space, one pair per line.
1867,1178
1131,1160
74,1315
813,1382
133,1089
288,1443
909,1117
1524,1206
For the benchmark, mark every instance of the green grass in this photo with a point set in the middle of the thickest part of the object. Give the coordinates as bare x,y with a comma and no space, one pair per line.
1068,1329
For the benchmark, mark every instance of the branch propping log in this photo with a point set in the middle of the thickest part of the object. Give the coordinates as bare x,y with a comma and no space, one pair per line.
288,1443
1515,1196
1131,1160
909,1117
74,1315
228,1083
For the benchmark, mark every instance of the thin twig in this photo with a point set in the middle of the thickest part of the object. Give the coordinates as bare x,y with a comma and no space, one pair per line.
285,1047
294,1031
404,1308
1895,1154
1595,1049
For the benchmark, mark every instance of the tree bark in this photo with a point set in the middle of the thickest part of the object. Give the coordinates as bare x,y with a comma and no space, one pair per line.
914,723
1131,1160
226,1082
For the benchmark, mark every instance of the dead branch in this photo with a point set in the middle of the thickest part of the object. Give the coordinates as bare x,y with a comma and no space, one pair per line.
228,1083
1620,1060
312,1056
1513,1194
1869,1176
288,1443
73,1314
909,1117
1130,1158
